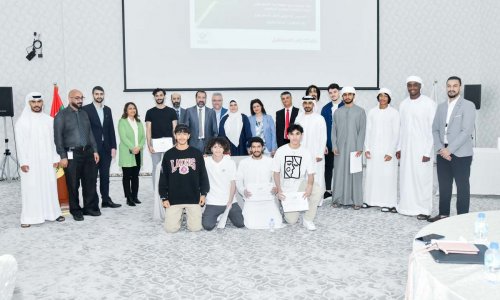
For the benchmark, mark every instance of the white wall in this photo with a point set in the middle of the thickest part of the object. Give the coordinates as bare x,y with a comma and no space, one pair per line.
83,47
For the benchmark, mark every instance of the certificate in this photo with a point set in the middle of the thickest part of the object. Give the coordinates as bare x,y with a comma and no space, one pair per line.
162,144
295,201
356,164
223,219
260,192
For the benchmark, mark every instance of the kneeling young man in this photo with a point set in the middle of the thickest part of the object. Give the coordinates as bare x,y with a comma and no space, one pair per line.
294,170
221,171
183,183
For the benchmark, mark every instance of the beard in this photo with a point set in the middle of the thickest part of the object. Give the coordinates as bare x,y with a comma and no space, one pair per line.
98,100
452,94
257,154
76,105
176,104
160,101
36,109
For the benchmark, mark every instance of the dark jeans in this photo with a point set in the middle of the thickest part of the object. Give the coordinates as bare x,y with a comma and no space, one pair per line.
131,178
329,170
459,169
209,218
103,167
82,168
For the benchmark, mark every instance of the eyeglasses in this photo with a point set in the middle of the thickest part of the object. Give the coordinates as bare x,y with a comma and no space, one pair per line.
78,98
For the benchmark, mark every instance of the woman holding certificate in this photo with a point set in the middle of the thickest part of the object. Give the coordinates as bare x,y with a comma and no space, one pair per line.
132,139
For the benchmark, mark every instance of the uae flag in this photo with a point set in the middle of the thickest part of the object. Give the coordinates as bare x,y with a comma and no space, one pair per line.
62,188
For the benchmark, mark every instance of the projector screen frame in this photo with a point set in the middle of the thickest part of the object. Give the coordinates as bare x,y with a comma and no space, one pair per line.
126,89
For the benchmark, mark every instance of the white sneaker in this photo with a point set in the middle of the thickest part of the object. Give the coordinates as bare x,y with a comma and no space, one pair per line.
320,202
309,225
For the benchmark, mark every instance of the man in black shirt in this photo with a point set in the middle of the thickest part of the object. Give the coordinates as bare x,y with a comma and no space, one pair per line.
183,183
160,124
77,148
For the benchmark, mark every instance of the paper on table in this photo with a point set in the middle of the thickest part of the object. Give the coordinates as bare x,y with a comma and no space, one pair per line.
295,202
223,219
162,144
260,191
356,164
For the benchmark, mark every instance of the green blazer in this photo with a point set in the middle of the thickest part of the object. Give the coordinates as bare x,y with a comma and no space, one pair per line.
125,157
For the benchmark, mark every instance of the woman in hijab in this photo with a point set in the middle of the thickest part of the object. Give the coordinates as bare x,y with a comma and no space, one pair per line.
236,128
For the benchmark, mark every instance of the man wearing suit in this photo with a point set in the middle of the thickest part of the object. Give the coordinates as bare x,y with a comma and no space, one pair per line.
452,132
284,118
202,122
176,104
101,123
220,111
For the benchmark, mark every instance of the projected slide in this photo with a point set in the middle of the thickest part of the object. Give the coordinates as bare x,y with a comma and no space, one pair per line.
261,24
249,44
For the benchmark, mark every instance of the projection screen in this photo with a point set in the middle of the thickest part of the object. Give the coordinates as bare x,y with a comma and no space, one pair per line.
249,44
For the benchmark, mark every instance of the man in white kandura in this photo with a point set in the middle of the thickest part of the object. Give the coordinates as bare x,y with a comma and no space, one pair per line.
381,143
314,138
416,150
38,158
254,181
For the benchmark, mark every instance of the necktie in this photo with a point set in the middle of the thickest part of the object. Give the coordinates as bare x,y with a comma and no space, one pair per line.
200,123
287,123
178,116
83,136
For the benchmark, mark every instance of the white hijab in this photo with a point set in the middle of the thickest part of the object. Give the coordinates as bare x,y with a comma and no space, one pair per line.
233,126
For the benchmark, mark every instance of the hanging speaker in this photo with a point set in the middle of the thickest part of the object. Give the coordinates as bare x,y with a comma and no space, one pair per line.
472,92
6,102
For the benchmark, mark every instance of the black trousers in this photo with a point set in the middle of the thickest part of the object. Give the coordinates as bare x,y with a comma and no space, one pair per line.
103,167
82,168
329,170
459,169
131,178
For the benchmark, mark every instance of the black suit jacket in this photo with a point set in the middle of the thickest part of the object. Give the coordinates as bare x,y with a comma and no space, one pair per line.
280,124
106,131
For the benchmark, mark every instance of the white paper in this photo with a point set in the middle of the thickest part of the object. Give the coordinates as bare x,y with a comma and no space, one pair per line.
260,192
356,163
295,202
223,218
162,144
70,155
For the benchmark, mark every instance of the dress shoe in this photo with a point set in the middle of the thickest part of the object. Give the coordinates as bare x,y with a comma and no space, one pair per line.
437,218
130,202
136,200
78,217
327,194
110,203
94,213
422,217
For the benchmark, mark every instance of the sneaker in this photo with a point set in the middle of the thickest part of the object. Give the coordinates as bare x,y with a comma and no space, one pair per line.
309,225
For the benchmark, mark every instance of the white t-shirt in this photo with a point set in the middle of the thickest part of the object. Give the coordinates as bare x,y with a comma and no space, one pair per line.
220,175
293,165
254,171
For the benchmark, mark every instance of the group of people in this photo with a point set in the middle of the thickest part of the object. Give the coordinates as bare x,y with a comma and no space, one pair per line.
314,152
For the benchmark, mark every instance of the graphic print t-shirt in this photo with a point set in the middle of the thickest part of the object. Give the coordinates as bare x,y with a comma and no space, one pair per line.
293,165
183,177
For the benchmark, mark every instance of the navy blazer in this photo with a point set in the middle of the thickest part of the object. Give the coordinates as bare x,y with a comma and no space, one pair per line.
280,124
326,112
104,135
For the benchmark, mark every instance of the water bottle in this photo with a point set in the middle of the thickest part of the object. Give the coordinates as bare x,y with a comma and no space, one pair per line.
271,225
480,229
492,263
